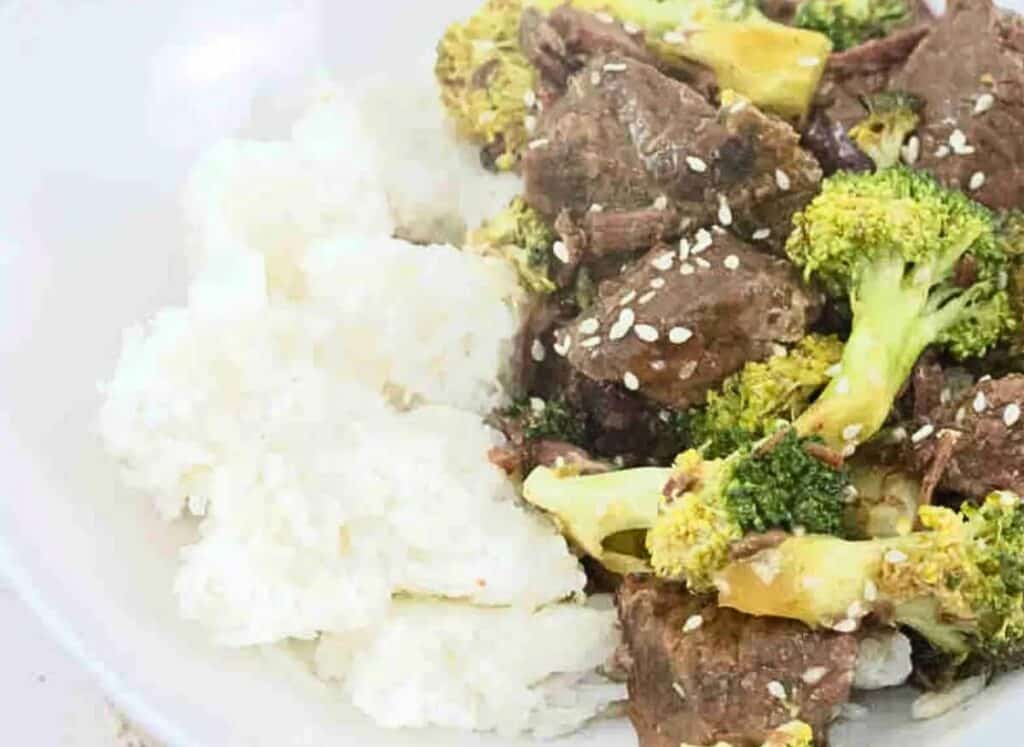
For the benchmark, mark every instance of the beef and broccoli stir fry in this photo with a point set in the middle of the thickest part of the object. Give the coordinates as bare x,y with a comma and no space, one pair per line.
772,378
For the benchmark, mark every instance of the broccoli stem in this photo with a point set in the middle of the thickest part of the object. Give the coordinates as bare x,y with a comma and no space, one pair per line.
898,311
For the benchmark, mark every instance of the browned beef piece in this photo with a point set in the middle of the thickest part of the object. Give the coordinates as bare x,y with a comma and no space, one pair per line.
987,454
720,681
864,70
973,59
673,336
561,43
629,153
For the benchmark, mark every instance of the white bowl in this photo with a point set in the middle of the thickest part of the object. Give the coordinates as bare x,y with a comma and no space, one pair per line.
105,105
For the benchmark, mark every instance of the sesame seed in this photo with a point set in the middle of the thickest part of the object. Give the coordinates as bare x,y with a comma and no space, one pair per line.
703,241
595,78
895,557
911,151
851,431
777,690
679,690
646,332
646,298
843,386
537,351
537,404
724,211
761,234
779,351
814,675
986,377
605,17
961,415
856,610
596,208
589,326
679,335
977,181
673,37
922,433
850,494
530,123
849,450
696,165
808,61
684,249
630,28
561,252
530,99
942,151
630,380
661,203
782,180
1011,414
702,263
658,365
622,325
628,298
985,102
732,262
738,106
614,67
870,591
693,622
663,261
657,283
957,140
686,269
591,342
898,434
539,143
562,346
845,626
980,403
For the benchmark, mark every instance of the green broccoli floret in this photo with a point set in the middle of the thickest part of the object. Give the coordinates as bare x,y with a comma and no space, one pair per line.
892,241
776,67
851,22
959,582
519,234
553,419
891,117
486,80
792,734
696,509
750,403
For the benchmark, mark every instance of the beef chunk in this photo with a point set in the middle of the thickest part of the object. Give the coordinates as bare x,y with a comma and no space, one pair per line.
720,681
864,70
674,336
561,43
832,145
986,437
628,153
970,73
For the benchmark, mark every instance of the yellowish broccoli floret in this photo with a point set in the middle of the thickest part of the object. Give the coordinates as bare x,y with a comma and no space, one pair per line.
792,734
519,234
777,67
486,80
959,581
891,117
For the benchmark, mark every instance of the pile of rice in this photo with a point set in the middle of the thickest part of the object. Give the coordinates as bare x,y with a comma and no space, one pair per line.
318,405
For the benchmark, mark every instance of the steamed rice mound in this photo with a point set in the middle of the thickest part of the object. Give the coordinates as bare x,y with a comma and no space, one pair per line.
317,406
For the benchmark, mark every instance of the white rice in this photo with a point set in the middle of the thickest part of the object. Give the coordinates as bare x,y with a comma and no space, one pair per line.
317,404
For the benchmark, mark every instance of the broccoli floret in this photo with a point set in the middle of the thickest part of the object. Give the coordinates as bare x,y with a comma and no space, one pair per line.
851,22
891,117
554,419
959,582
695,510
776,67
521,235
486,80
892,241
750,403
884,501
